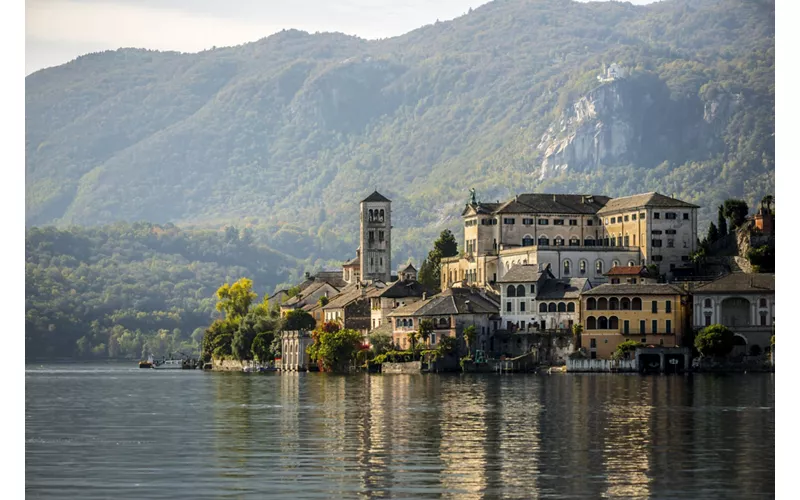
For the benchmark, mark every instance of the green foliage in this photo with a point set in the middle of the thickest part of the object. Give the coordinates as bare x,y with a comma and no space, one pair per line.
714,340
425,330
762,258
470,333
722,222
413,338
381,342
448,345
323,301
234,300
713,233
298,319
736,212
335,351
260,349
622,350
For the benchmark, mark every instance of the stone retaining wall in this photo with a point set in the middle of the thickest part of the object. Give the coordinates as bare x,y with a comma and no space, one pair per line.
228,365
408,367
601,365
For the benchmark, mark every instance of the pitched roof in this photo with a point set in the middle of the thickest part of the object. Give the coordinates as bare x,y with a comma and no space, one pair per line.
481,208
333,278
409,267
569,288
627,271
376,196
352,262
302,297
400,289
740,282
638,289
385,328
651,200
525,273
450,301
352,293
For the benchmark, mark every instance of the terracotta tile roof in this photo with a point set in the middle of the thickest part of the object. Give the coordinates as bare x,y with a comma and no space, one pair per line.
627,271
650,200
740,282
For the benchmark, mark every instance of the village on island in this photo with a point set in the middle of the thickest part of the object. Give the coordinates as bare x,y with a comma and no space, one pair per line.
562,281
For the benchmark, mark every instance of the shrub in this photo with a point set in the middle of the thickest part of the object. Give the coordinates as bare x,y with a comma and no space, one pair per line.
714,340
624,348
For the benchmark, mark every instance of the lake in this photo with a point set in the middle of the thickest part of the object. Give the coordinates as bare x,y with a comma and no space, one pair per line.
98,431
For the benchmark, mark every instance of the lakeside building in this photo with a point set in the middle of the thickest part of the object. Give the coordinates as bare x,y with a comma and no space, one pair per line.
578,235
630,275
450,312
745,303
653,314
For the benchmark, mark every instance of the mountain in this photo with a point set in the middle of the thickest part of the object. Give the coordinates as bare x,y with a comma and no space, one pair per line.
285,134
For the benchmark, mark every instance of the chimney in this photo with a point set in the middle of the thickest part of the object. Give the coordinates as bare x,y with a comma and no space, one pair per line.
554,197
424,295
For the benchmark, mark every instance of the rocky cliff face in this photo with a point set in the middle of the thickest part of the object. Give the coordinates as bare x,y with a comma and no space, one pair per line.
631,121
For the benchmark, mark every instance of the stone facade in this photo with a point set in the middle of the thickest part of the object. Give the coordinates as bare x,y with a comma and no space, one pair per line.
293,351
376,238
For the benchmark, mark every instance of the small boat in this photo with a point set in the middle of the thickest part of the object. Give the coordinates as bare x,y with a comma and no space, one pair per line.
169,364
146,363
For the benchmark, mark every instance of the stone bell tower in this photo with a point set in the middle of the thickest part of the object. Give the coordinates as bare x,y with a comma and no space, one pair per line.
376,238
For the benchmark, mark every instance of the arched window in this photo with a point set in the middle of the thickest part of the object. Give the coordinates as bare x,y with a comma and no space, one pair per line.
443,322
574,241
627,241
636,304
562,307
520,290
571,307
625,304
527,240
399,322
613,304
591,323
615,263
631,263
598,267
707,303
551,307
602,323
370,215
511,291
543,241
542,307
591,304
566,267
613,323
559,241
381,216
762,303
602,304
583,266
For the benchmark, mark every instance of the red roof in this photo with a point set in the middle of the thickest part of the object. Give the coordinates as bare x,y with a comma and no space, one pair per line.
626,271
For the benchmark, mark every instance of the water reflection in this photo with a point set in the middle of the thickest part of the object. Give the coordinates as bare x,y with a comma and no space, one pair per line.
424,436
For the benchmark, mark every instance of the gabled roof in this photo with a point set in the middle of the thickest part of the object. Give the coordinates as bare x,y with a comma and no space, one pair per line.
333,278
480,208
352,293
639,289
523,273
376,196
352,262
563,203
569,288
649,200
400,289
740,283
302,297
450,301
408,268
627,271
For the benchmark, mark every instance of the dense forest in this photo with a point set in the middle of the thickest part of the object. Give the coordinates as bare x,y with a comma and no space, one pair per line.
281,138
274,132
128,290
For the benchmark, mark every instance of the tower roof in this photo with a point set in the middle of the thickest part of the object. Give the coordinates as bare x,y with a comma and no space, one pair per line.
376,196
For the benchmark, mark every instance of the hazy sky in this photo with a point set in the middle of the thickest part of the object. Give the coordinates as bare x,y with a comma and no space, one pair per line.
57,31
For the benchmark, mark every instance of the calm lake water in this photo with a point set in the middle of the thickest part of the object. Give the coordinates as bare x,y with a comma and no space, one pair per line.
114,431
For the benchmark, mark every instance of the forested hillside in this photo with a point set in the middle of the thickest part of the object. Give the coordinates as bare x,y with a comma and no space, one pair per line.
123,289
287,133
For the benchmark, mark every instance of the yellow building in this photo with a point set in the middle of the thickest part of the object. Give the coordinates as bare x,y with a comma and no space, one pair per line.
652,314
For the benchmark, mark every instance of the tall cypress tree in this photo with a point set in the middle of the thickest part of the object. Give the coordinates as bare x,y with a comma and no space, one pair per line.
722,222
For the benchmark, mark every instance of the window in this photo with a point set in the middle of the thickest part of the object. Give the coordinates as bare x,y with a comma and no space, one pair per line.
658,258
613,303
708,319
626,218
543,222
656,215
641,326
543,307
551,307
559,241
626,327
606,221
520,291
633,217
589,222
668,306
571,307
670,231
573,222
522,306
598,267
671,215
668,326
508,220
707,303
508,306
371,236
543,241
558,222
655,326
533,289
562,307
655,231
591,304
613,220
380,236
762,303
583,267
626,241
685,258
685,216
588,242
763,318
527,241
433,338
593,343
625,304
655,306
566,267
641,216
591,323
511,291
574,242
656,243
670,243
527,222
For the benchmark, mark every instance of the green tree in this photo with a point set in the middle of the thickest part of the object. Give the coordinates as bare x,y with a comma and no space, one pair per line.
762,258
622,350
425,330
577,330
413,337
470,333
260,348
234,300
736,212
381,342
722,222
448,345
298,319
336,350
713,233
714,340
323,301
430,270
768,202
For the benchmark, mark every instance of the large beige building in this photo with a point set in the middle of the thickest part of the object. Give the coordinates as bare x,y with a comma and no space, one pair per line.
579,236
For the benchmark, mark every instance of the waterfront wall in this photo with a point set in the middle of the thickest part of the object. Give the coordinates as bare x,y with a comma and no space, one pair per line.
601,365
408,367
227,365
